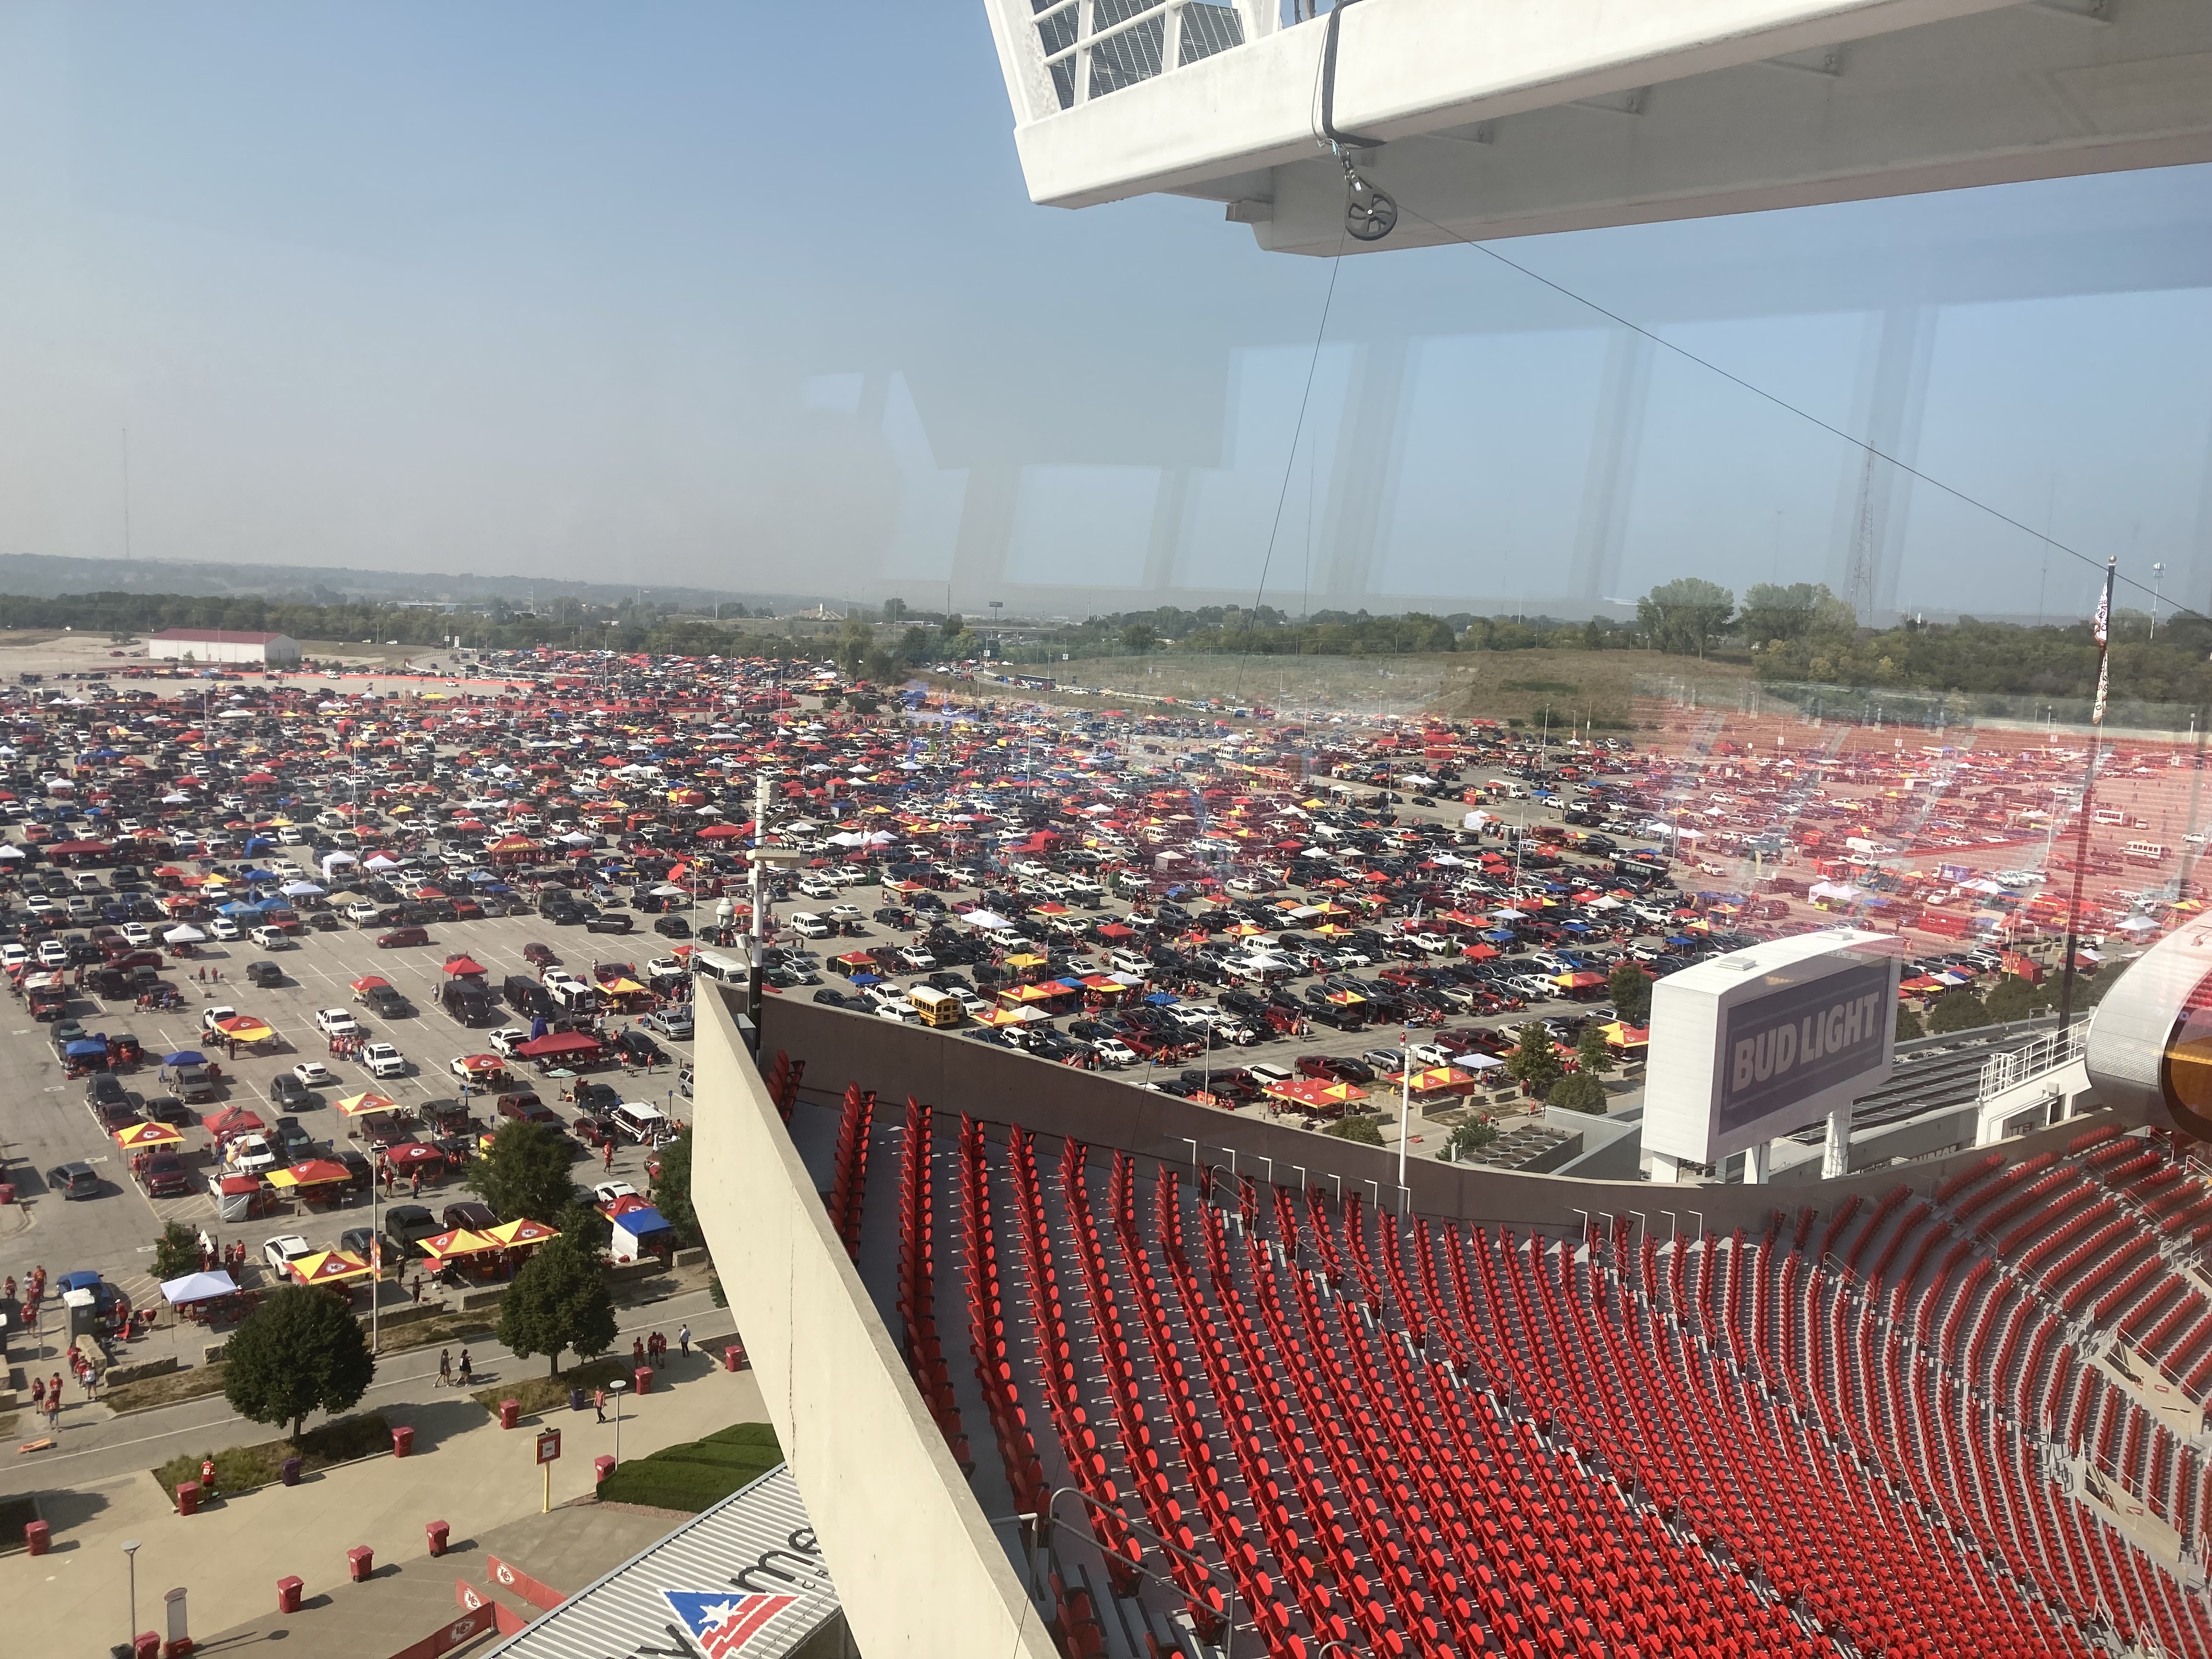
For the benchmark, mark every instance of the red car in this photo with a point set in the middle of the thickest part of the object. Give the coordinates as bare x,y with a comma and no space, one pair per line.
166,1176
403,936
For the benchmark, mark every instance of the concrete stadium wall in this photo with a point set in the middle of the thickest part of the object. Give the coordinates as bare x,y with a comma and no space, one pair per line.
947,1071
921,1574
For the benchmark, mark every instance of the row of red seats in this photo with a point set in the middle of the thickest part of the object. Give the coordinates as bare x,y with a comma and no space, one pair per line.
1528,1448
916,1300
848,1171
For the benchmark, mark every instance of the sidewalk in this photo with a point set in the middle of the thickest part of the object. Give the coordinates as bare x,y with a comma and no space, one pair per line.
466,1471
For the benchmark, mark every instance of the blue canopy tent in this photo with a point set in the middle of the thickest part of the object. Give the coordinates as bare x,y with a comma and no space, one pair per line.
184,1057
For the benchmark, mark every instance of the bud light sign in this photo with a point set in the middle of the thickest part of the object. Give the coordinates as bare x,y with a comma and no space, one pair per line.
1764,1041
1784,1047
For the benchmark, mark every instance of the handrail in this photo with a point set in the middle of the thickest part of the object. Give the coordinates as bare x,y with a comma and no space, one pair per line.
2046,1054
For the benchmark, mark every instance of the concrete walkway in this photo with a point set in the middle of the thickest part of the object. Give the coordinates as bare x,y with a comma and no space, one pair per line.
466,1471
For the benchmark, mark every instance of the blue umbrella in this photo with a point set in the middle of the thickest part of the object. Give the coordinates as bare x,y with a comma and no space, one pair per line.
184,1057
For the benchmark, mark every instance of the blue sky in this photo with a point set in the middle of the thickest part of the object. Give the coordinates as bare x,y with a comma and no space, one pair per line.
745,296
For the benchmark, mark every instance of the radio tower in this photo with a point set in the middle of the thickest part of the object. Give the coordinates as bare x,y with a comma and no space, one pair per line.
1858,576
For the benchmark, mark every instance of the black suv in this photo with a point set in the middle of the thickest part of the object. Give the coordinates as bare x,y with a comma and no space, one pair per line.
407,1226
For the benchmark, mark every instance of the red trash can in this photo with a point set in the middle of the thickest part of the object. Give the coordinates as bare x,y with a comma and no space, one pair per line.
733,1358
38,1537
437,1531
403,1440
7,1195
510,1412
601,1468
642,1379
188,1498
361,1561
288,1595
147,1645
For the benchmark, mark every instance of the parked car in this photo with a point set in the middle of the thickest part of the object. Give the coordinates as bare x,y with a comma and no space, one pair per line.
281,1252
313,1073
384,1060
74,1181
166,1177
401,936
286,1090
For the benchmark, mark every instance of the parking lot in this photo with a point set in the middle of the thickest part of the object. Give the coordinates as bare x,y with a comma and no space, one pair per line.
112,1232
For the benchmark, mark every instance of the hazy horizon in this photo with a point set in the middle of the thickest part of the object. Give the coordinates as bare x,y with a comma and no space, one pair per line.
746,303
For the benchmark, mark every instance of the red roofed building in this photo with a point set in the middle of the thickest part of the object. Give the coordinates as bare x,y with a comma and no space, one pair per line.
210,645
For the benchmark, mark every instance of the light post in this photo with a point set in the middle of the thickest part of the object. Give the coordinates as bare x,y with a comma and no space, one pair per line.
761,858
131,1554
616,1387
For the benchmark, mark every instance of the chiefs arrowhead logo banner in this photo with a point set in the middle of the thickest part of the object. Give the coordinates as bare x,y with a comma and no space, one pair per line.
722,1624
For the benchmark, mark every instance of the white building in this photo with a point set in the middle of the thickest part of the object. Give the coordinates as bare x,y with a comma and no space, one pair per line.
212,645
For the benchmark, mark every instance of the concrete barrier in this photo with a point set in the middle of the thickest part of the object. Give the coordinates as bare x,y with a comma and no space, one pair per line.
1001,1086
116,1376
473,1300
918,1568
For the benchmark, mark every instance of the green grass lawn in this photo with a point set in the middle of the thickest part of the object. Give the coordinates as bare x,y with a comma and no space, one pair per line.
697,1474
237,1468
544,1393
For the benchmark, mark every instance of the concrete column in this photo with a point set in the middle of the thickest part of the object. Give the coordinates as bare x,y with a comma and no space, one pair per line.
1166,544
1755,1162
1890,399
986,525
1836,1151
1666,1167
1610,479
1358,482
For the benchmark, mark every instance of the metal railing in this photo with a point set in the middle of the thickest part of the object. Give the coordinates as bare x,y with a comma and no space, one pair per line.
2046,1053
1094,47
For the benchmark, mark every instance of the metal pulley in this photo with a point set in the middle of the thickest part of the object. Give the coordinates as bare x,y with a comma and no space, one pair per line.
1370,214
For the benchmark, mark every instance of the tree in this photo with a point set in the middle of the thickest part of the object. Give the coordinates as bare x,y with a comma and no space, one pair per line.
2012,999
584,1227
1471,1136
559,1300
1138,639
1685,616
1957,1010
300,1351
525,1175
1800,610
1535,1062
1631,991
1909,1024
672,1188
1356,1126
1580,1092
1591,1053
176,1252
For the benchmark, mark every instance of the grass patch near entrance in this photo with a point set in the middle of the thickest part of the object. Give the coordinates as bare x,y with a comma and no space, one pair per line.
165,1390
697,1474
544,1393
445,1330
239,1468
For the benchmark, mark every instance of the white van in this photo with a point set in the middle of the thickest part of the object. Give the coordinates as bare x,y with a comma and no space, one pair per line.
2144,852
807,925
713,964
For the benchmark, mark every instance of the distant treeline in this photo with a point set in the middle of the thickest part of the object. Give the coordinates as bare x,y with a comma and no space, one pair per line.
565,621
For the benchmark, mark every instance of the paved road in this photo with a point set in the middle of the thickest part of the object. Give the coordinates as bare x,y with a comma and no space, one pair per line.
94,1444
